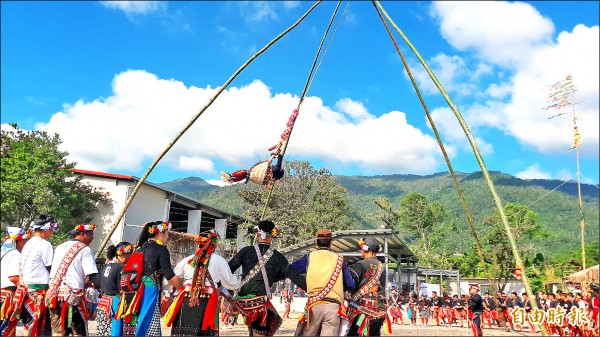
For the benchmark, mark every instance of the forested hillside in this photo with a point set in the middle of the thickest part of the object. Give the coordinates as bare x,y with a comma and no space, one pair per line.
557,210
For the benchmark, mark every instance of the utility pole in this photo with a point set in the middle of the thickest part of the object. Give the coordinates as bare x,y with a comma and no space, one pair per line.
562,97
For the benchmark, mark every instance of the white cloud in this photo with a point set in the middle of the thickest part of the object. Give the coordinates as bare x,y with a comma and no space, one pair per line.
187,163
525,60
257,11
564,174
263,11
144,113
452,133
453,72
498,31
499,91
291,4
136,7
575,53
355,110
533,172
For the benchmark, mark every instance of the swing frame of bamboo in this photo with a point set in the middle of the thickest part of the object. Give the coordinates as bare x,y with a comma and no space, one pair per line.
443,92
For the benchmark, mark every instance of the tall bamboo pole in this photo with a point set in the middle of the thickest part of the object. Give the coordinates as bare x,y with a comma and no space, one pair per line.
476,152
191,122
491,281
581,217
309,80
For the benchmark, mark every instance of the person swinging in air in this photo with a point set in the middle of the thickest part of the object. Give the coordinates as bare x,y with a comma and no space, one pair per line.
261,173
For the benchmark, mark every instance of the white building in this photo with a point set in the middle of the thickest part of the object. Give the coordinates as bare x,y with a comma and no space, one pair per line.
152,203
511,285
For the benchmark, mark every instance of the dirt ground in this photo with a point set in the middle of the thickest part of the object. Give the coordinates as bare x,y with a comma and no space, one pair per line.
289,327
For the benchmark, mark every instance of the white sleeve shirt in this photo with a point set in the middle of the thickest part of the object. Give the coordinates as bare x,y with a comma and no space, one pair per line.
218,268
11,261
36,255
84,263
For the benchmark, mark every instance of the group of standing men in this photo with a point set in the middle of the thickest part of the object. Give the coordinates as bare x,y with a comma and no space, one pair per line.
43,287
336,292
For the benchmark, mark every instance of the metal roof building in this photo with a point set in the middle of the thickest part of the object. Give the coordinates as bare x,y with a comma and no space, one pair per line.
346,244
406,274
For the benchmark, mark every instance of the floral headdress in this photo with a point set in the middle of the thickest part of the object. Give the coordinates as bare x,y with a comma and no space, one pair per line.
159,227
125,249
206,245
17,234
263,235
84,228
363,246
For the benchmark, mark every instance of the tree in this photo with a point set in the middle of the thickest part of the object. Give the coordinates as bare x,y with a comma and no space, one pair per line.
37,178
302,202
497,251
424,220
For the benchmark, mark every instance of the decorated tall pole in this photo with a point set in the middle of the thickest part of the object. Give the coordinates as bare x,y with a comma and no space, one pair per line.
562,98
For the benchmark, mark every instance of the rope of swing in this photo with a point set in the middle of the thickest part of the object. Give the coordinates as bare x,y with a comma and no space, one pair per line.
192,121
476,152
442,148
281,146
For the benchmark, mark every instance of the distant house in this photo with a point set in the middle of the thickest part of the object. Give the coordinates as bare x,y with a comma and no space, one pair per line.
151,203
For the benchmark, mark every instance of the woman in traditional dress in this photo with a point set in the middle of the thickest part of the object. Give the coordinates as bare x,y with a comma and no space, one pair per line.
110,276
412,309
157,265
194,311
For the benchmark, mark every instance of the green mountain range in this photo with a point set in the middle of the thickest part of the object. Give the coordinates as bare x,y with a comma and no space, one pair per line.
554,201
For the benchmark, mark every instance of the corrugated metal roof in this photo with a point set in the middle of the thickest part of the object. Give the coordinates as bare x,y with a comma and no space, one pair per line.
346,243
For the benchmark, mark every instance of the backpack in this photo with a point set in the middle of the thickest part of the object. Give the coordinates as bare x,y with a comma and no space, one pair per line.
131,276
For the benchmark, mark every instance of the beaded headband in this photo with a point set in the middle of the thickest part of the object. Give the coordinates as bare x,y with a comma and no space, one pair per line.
83,227
46,226
126,249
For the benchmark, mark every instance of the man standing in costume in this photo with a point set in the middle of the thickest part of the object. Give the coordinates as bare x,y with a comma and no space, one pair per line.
73,262
370,278
261,268
327,277
476,309
10,272
438,311
490,313
36,261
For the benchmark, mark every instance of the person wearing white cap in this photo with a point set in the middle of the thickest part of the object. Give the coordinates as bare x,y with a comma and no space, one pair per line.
36,261
73,262
10,271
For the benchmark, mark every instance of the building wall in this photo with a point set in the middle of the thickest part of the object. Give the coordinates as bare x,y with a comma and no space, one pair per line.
150,204
512,285
118,191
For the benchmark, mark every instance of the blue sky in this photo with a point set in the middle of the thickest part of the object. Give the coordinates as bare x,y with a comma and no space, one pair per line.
118,80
